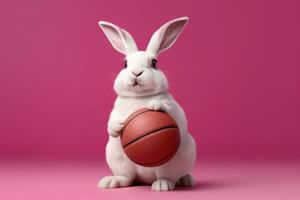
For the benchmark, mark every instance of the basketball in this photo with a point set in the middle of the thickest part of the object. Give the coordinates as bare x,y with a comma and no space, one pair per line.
150,138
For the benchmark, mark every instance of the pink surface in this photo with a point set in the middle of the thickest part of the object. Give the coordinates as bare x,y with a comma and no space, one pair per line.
214,180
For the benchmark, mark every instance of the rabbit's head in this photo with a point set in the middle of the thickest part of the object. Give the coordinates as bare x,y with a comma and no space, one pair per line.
140,75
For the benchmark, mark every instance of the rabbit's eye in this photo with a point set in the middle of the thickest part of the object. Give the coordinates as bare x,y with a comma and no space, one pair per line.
125,64
153,64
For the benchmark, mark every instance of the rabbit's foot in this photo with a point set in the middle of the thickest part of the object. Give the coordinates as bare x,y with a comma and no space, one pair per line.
162,185
156,105
186,180
114,182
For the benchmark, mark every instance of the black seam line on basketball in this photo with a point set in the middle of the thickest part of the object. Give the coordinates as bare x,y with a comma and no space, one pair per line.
151,164
132,119
152,131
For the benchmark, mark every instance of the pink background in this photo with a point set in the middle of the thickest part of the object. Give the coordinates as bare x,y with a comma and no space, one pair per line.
235,70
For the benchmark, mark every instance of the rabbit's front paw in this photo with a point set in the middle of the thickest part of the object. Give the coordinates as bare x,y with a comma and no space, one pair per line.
115,127
156,105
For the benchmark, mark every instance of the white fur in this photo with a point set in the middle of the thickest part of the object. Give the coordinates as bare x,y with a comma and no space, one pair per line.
150,89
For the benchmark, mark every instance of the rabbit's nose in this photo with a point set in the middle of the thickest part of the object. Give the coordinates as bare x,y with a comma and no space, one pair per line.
137,73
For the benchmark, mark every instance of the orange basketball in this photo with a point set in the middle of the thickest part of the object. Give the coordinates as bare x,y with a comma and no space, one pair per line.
150,138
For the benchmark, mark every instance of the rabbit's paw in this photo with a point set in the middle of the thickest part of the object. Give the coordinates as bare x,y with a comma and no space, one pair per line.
156,105
186,180
115,127
114,182
162,185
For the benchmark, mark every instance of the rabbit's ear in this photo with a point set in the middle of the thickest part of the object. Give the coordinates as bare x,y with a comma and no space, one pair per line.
120,39
166,35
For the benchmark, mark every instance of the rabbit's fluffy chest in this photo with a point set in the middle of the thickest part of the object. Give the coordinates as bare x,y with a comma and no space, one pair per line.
126,106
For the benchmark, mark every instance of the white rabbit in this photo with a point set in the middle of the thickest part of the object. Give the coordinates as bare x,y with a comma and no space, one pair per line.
141,84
